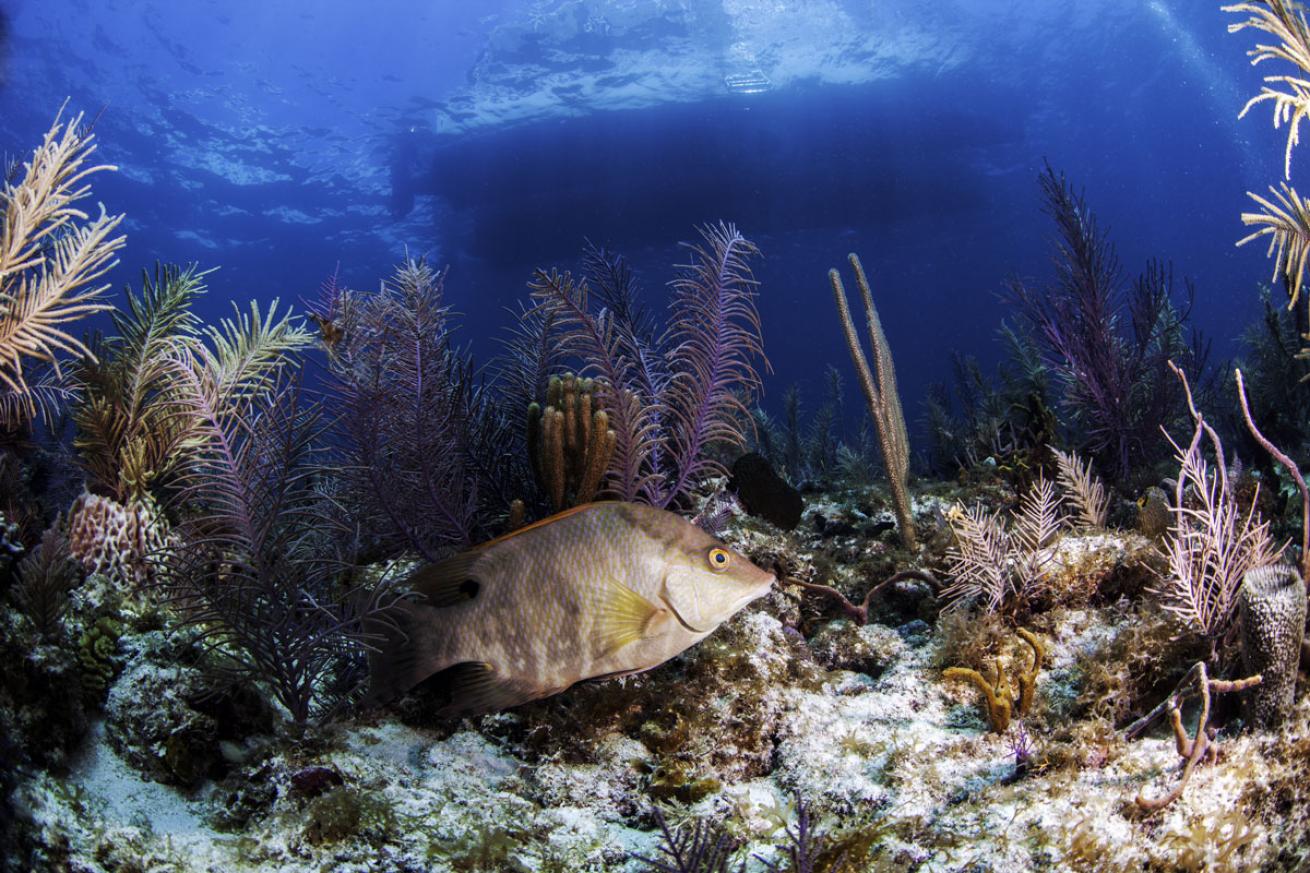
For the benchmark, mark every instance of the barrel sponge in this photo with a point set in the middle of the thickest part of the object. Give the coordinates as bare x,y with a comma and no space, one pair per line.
1273,605
115,539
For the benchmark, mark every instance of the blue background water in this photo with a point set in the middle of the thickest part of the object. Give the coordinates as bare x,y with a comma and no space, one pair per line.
262,137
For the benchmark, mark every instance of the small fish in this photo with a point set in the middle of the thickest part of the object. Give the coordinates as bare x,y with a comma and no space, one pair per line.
1153,514
332,332
600,590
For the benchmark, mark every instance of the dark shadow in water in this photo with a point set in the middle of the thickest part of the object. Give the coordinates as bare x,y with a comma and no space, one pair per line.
806,157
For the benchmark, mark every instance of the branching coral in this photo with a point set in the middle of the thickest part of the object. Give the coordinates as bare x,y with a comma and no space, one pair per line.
1113,368
128,434
999,566
1288,464
427,449
702,848
44,579
1203,746
999,696
133,435
1213,543
884,399
259,562
1083,490
1285,22
50,252
1285,218
668,399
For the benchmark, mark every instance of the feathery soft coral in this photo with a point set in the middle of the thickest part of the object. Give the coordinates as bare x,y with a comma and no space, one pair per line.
668,397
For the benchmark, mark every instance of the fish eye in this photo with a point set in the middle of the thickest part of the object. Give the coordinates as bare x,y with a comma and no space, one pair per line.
719,559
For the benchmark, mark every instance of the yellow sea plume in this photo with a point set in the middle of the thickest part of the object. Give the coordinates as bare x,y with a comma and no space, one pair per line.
50,252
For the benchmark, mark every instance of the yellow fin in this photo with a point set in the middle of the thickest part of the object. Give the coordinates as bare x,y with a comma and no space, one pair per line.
624,618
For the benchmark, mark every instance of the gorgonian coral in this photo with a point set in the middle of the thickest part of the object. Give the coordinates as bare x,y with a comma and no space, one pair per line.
134,430
669,396
51,253
262,557
425,442
1109,345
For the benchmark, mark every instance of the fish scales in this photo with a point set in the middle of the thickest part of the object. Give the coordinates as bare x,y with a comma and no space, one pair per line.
603,589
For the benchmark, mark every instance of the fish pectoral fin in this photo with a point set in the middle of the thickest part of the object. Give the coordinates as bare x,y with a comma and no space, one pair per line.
447,583
625,617
474,688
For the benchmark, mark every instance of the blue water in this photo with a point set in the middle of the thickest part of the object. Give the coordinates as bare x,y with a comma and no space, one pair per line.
281,139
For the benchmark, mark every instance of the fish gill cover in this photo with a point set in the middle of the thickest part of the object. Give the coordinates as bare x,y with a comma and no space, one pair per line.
321,333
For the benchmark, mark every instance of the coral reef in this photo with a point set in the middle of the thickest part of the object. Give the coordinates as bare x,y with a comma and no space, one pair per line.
192,704
880,391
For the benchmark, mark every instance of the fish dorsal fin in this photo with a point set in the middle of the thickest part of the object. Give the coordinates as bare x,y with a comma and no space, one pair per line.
543,522
474,688
447,583
625,617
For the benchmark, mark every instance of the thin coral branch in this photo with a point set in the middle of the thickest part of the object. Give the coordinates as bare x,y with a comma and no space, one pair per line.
881,393
1212,544
1287,224
979,559
860,614
1193,750
1289,465
713,342
1285,22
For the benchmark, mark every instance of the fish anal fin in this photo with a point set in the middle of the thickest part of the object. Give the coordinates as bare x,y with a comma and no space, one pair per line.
472,688
625,618
447,583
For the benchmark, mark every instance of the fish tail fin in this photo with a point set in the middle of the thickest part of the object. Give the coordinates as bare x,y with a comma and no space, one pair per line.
397,655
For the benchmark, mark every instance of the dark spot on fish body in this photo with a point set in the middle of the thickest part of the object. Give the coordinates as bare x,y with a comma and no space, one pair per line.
470,588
